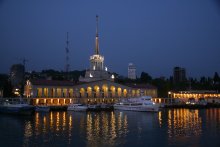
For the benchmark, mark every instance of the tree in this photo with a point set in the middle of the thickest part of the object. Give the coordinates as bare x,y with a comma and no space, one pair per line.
145,77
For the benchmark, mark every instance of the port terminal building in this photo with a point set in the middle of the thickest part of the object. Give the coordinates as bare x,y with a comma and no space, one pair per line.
52,92
97,86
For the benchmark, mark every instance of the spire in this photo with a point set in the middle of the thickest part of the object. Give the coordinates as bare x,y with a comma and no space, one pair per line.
97,37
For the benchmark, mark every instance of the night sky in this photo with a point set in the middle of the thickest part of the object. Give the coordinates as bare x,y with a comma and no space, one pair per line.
155,35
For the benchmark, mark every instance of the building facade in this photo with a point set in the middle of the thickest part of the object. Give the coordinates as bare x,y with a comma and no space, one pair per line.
52,92
131,71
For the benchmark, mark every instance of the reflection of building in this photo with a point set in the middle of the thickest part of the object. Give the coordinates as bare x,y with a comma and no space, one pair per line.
209,96
179,74
97,86
182,122
131,71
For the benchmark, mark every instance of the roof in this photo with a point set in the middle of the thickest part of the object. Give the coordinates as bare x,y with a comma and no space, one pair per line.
198,92
141,86
51,82
43,82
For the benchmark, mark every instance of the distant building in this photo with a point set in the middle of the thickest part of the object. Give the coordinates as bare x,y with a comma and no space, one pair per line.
17,73
17,78
131,71
179,74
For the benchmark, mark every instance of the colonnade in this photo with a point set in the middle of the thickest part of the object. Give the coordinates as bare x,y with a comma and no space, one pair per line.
103,91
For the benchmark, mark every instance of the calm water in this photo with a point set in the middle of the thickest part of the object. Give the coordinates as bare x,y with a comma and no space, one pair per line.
170,127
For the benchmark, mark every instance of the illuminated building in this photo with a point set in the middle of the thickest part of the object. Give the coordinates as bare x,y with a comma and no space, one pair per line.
209,96
97,86
65,92
131,71
97,71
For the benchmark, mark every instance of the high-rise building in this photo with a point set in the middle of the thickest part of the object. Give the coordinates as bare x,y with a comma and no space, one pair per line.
179,74
17,73
131,71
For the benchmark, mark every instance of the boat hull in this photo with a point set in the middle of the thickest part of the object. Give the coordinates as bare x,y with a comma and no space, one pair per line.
27,110
139,109
42,108
77,107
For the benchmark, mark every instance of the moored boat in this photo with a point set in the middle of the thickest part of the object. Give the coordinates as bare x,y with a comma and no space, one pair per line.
42,108
94,107
142,104
106,106
16,108
77,107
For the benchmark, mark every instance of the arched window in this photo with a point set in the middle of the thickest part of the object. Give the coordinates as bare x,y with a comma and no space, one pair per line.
112,88
105,90
82,92
89,91
119,92
125,92
96,91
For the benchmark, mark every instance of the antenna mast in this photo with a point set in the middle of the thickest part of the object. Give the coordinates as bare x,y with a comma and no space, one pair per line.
24,61
67,53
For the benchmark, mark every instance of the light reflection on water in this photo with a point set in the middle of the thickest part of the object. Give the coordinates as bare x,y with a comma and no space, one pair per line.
97,127
170,127
184,122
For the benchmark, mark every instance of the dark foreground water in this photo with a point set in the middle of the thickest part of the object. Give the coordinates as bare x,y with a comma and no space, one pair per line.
170,127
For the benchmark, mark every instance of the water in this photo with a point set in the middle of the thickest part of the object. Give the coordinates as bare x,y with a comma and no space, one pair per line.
170,127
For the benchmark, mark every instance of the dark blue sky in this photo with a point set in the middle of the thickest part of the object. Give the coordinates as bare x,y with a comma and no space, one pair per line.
155,35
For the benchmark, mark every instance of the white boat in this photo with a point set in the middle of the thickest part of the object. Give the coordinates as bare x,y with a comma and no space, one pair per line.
42,108
142,104
77,107
16,108
94,107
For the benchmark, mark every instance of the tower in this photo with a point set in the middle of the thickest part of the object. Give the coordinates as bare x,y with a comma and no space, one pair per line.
96,70
96,60
131,71
97,37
